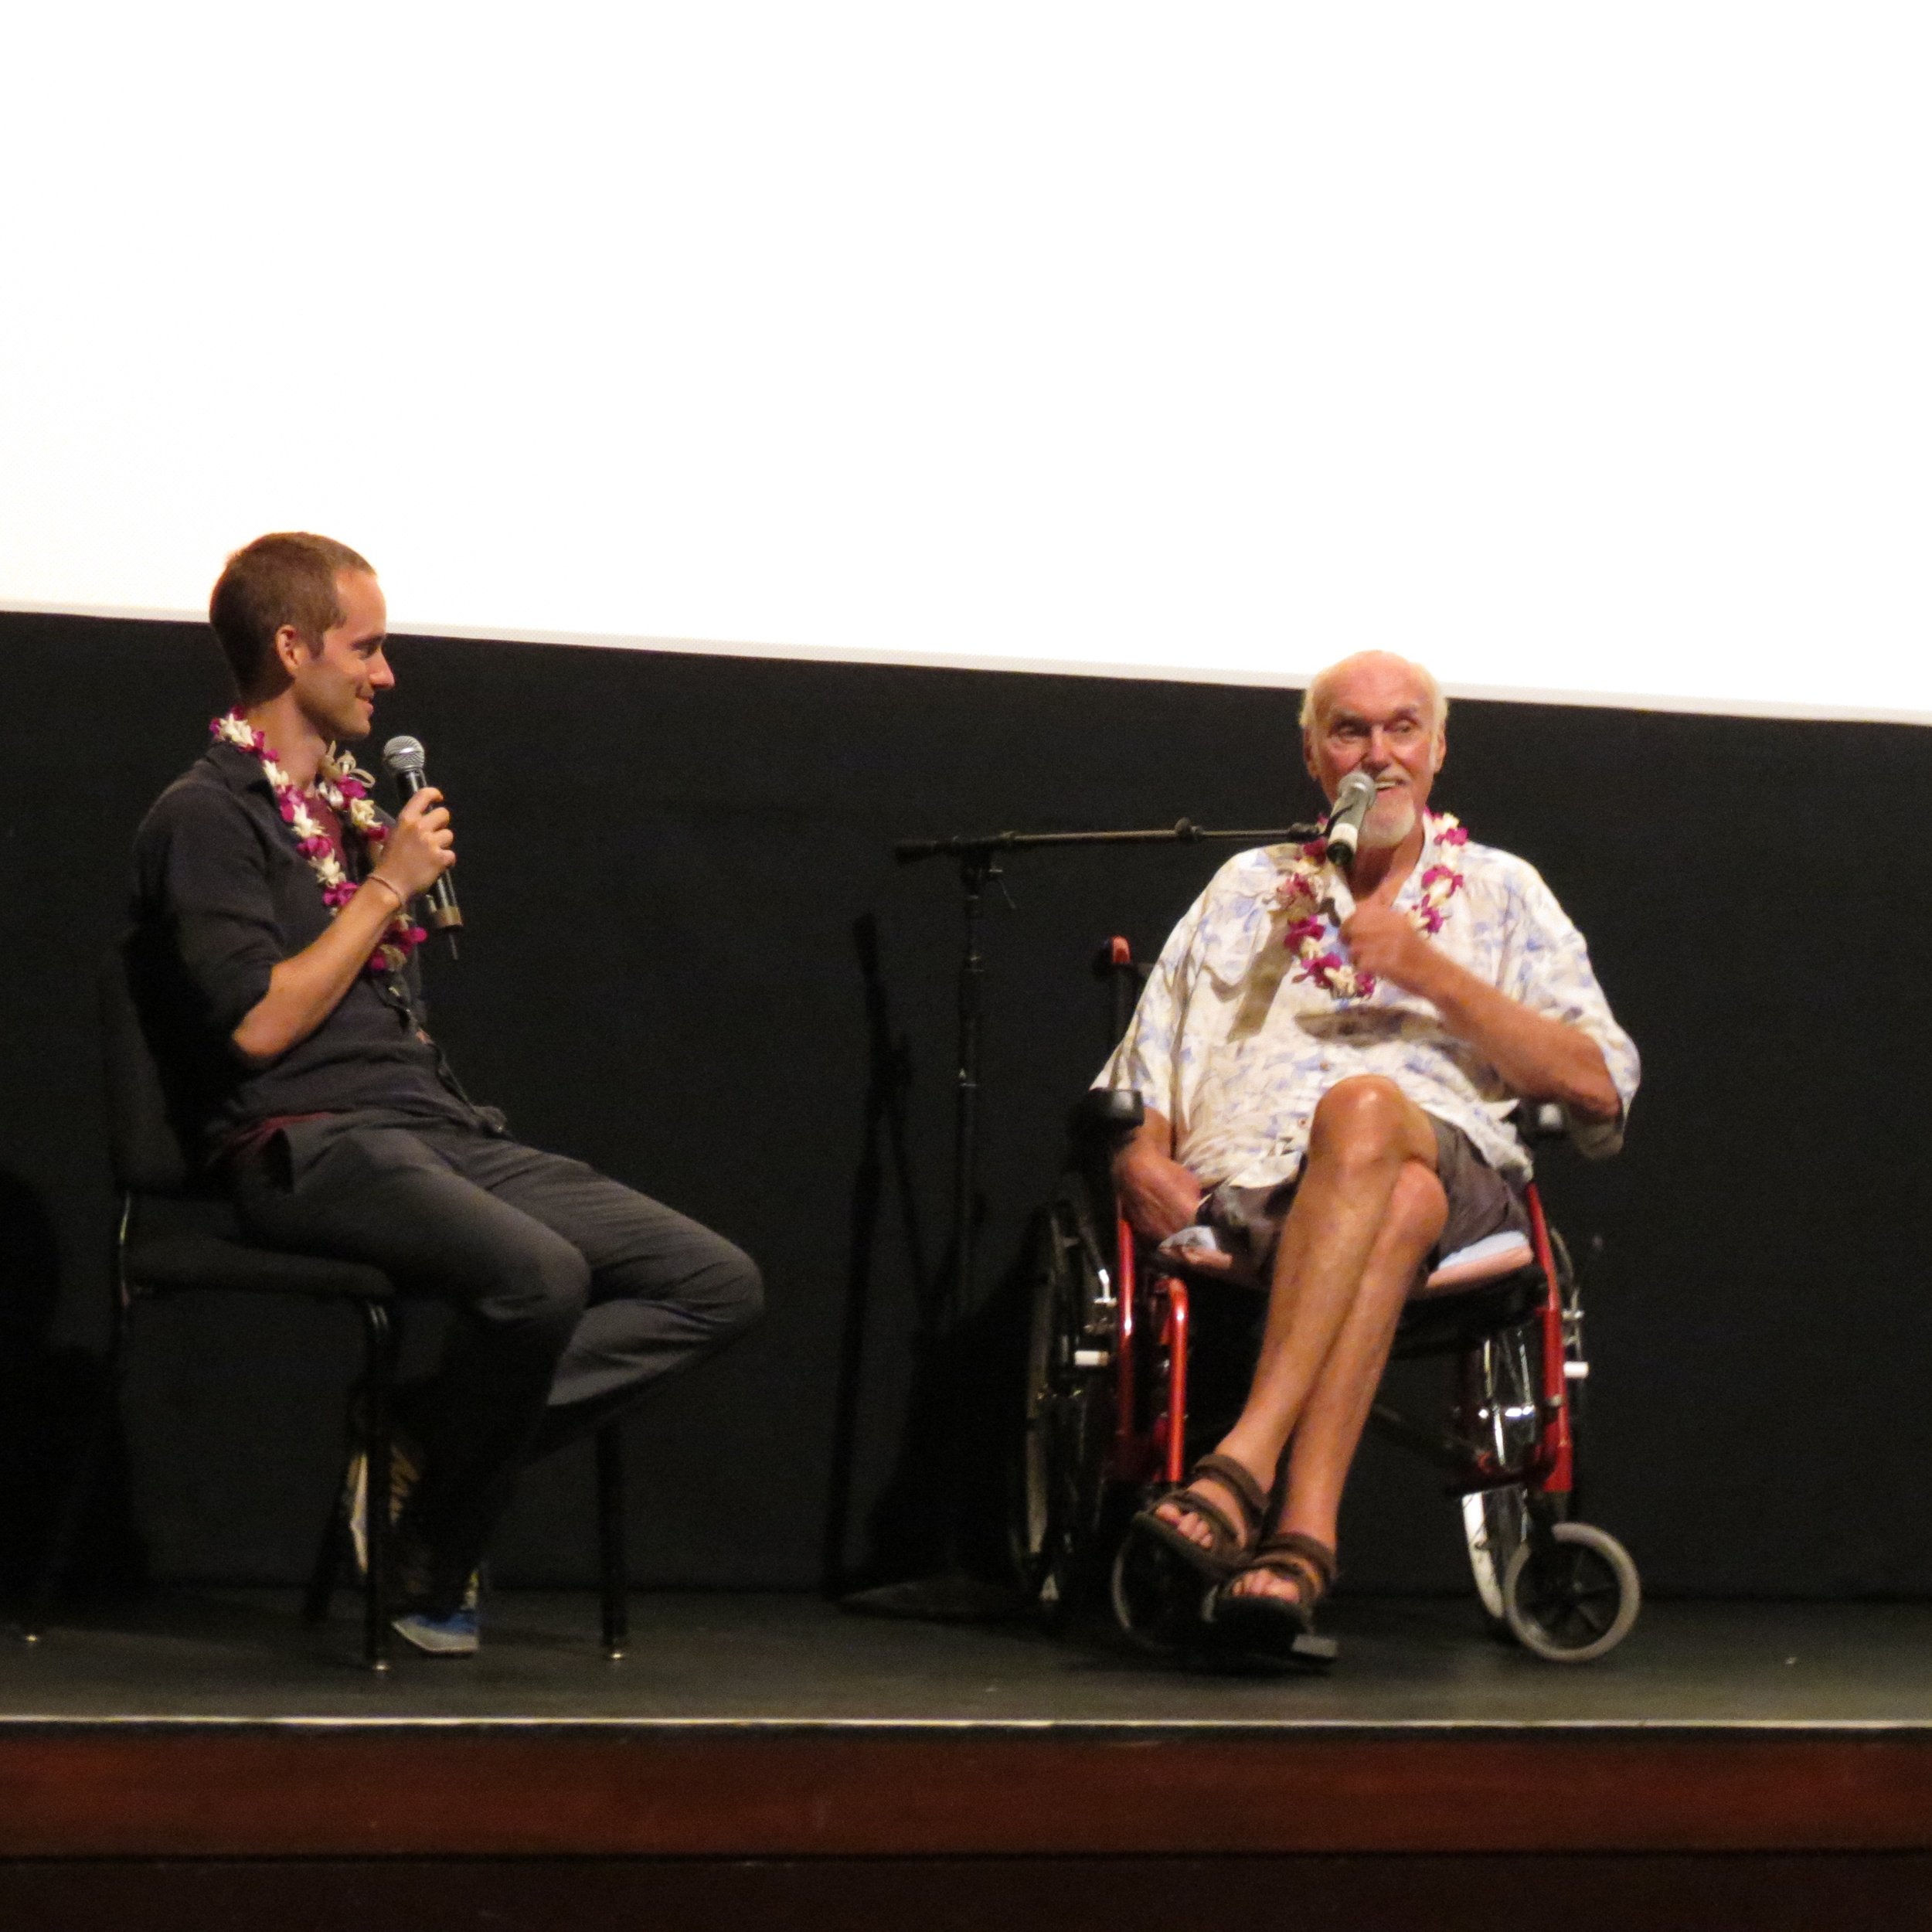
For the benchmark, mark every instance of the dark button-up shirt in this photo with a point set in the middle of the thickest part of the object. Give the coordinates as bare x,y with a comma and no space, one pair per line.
220,896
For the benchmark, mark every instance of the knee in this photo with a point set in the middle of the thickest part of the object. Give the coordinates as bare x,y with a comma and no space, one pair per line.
727,1292
1362,1118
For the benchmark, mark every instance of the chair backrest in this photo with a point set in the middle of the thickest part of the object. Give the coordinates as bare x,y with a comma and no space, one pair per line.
143,1142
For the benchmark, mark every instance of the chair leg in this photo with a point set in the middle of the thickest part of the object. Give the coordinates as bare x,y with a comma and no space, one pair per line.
329,1559
611,1550
379,1382
79,1491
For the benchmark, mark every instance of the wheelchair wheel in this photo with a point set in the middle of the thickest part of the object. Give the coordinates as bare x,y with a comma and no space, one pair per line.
1573,1597
1157,1598
1504,1419
1068,1414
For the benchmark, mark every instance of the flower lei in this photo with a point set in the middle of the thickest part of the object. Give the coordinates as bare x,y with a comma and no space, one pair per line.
345,791
1300,896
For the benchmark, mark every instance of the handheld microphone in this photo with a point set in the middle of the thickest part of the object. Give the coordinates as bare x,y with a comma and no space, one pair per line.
1353,799
404,758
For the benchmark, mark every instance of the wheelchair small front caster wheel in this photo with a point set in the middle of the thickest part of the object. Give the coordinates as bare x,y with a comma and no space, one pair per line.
1157,1598
1572,1596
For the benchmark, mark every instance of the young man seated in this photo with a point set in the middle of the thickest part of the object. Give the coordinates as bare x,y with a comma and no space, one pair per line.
274,959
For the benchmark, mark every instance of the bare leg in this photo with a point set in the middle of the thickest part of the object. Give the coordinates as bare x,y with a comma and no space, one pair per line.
1366,1137
1330,1428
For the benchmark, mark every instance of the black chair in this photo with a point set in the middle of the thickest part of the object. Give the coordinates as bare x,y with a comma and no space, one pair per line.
173,1233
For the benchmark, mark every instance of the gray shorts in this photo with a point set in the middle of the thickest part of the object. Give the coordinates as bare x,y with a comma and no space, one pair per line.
1248,1219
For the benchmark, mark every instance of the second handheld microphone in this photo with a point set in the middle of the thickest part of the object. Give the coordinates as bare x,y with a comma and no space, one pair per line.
404,758
1353,797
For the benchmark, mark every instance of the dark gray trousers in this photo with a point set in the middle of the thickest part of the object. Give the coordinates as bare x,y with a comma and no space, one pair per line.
572,1293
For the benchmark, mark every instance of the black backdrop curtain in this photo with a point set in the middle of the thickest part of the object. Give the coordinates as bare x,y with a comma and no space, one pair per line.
674,868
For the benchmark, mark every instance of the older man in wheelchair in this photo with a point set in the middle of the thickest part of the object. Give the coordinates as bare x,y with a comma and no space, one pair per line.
1325,1055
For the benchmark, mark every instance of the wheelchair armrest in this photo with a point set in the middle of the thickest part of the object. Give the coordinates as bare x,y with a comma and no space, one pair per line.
1107,1113
1535,1121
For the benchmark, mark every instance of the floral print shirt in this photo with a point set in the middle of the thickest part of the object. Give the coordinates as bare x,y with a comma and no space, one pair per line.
1235,1042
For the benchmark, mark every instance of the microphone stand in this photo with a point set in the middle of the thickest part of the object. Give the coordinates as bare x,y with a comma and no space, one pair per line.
950,1593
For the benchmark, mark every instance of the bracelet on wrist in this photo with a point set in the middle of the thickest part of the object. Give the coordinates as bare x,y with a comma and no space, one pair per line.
394,891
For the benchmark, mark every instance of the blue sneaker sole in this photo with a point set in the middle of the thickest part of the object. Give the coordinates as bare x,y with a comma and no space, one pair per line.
454,1636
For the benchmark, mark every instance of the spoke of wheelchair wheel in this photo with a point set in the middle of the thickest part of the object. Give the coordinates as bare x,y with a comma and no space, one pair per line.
1581,1613
1568,1617
1551,1609
1558,1595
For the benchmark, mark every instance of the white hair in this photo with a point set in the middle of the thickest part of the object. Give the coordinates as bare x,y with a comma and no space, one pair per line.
1315,699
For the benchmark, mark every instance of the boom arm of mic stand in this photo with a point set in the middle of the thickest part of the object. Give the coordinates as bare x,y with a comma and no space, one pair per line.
1183,831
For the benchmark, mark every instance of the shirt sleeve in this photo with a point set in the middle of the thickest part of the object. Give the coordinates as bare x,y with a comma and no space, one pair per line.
1145,1061
202,878
1546,967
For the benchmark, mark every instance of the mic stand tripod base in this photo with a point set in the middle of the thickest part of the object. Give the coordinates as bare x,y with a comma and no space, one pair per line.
949,1596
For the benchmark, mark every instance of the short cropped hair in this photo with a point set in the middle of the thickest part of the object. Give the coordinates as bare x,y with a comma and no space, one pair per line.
1315,698
288,577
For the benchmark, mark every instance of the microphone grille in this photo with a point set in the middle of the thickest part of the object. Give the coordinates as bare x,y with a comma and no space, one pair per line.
403,754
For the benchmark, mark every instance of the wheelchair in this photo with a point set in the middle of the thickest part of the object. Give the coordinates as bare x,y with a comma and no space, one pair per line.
1112,1362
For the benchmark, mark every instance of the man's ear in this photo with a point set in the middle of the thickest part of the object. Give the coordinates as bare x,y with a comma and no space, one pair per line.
1307,758
291,650
1442,749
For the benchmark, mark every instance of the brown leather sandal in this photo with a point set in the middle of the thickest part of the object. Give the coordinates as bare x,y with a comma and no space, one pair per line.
1267,1624
1232,1541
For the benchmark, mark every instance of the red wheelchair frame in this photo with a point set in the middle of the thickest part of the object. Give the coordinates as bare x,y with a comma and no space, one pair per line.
1107,1397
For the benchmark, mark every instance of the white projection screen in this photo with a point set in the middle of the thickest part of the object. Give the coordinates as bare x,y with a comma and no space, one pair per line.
1580,350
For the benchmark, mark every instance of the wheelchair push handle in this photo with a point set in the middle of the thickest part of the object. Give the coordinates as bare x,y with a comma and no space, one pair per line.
1108,1113
1115,965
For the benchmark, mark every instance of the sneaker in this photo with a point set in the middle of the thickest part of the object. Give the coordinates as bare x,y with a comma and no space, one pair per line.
414,1578
455,1635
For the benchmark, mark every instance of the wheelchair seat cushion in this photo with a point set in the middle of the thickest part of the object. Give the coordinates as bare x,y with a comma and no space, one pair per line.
1489,1259
1455,1320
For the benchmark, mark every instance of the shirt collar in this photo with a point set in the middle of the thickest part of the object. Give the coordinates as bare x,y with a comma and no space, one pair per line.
236,769
1424,859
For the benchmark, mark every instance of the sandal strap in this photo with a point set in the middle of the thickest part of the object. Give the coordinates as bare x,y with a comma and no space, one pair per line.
1228,1534
1232,1538
1240,1482
1288,1551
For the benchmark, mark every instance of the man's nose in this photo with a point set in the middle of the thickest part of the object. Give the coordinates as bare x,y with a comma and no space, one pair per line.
379,674
1378,754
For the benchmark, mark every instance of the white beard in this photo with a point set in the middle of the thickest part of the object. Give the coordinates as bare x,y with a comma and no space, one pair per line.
1391,819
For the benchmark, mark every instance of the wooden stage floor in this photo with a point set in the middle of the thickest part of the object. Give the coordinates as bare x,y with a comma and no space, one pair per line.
205,1759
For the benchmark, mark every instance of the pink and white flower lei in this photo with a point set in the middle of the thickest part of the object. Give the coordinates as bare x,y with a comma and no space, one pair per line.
344,790
1300,897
